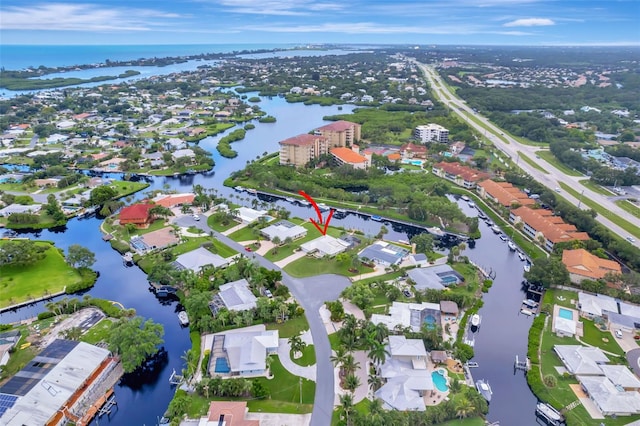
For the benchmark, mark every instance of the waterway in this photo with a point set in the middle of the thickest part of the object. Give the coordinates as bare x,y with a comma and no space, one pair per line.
142,399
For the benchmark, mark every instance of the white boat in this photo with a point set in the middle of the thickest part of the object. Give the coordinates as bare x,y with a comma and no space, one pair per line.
527,267
471,204
484,389
550,414
512,246
183,317
252,191
239,188
290,200
464,198
304,203
475,320
323,207
341,211
521,256
503,237
495,229
127,258
472,364
526,312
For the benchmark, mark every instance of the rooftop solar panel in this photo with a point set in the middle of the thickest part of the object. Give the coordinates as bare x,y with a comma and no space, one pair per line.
6,402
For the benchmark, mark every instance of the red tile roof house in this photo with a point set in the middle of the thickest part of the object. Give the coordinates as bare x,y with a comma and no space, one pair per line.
460,175
137,214
411,150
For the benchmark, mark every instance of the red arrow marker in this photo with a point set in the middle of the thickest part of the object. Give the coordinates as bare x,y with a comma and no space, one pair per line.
323,231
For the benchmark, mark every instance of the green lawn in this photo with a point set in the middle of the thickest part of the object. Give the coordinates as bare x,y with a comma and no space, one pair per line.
21,283
312,233
587,183
308,356
125,188
602,339
629,206
334,341
309,266
627,226
97,333
244,234
533,163
551,159
472,421
19,358
291,327
218,226
285,388
551,296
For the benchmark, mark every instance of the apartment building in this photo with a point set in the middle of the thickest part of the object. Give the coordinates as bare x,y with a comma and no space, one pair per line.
503,193
299,150
460,175
351,157
340,133
542,223
431,133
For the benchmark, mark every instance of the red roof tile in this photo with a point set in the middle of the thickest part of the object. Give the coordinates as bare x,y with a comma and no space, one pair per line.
301,140
347,155
337,126
137,213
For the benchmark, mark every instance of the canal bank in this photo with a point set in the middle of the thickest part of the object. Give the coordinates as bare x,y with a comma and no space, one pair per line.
143,397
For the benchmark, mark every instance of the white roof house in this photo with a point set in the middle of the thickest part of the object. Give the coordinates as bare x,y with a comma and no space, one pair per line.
196,259
249,215
237,296
247,350
594,305
608,398
621,376
407,315
326,245
564,326
581,360
412,350
283,230
19,208
183,153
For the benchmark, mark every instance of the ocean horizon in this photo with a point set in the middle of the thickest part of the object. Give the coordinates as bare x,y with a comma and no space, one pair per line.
20,56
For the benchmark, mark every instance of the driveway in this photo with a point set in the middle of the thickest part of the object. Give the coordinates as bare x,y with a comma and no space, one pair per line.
311,293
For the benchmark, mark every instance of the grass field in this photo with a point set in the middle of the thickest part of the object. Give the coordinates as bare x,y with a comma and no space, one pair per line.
309,266
596,188
551,159
533,163
21,283
627,226
290,327
308,356
97,333
630,207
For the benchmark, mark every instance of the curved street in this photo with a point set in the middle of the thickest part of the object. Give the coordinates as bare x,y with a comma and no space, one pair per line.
512,148
311,293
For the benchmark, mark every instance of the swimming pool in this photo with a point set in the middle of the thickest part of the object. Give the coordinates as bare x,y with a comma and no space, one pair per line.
222,366
430,322
439,380
565,313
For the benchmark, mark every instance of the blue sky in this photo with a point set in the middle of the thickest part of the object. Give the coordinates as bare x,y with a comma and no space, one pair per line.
503,22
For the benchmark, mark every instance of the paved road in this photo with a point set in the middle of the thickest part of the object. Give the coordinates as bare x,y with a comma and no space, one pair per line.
513,148
633,357
311,293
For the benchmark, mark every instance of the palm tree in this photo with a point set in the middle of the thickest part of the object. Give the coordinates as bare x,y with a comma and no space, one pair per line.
346,403
381,332
375,382
378,352
351,382
376,413
464,408
338,358
297,344
350,365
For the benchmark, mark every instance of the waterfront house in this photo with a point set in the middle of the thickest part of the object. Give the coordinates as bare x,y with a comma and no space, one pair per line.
325,245
413,315
137,214
243,352
248,215
436,277
383,253
19,208
227,413
609,398
183,153
196,259
174,200
234,296
621,376
583,265
581,360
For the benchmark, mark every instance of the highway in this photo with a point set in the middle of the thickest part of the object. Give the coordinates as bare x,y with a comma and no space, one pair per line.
512,148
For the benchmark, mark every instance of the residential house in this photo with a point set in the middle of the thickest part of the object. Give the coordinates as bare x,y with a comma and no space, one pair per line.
340,133
431,133
503,193
244,351
412,315
8,341
411,150
325,245
436,277
621,376
299,150
137,214
19,208
418,259
196,259
383,253
616,313
460,175
583,265
283,230
183,153
542,224
65,124
248,215
174,200
349,156
406,376
581,360
608,398
450,308
227,413
234,296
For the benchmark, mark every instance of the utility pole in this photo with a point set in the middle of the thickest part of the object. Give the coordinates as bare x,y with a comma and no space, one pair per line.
300,381
580,199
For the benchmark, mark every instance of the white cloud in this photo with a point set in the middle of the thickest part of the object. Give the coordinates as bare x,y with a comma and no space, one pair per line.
81,17
530,22
365,28
279,7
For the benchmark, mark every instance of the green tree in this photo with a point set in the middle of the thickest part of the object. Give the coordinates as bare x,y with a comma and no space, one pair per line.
100,195
22,252
351,382
347,406
547,272
297,344
423,242
135,341
80,257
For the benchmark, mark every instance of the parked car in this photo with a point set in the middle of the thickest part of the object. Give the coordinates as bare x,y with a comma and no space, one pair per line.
407,293
247,248
268,293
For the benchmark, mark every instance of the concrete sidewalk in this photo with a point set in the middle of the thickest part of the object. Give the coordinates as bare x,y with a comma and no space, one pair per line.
287,260
284,351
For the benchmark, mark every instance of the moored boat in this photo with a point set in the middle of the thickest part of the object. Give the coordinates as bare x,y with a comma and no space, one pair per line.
484,389
512,246
376,218
475,320
495,229
521,256
184,318
527,267
550,414
465,198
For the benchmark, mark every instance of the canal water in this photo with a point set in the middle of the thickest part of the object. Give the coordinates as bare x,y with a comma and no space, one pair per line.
143,399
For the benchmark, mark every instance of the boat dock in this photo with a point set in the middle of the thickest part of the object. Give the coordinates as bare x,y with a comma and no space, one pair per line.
521,365
549,414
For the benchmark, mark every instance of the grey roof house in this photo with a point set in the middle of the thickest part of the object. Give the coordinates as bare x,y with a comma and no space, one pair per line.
235,296
196,259
383,253
434,277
